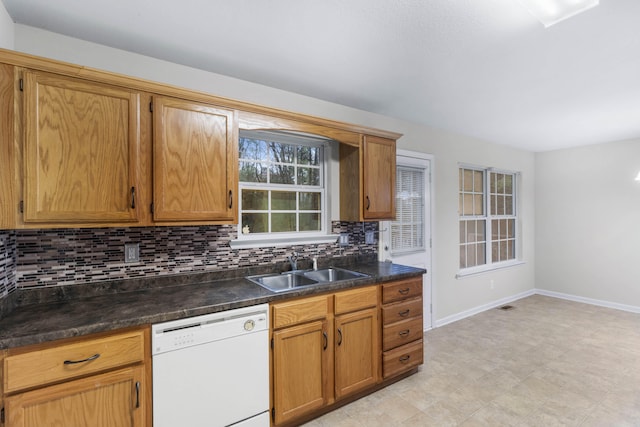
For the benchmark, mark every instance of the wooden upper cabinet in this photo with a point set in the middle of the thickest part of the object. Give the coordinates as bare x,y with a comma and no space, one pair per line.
195,162
81,151
368,180
379,178
8,182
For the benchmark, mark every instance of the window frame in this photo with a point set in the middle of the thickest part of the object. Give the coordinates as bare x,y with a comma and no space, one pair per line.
488,217
288,238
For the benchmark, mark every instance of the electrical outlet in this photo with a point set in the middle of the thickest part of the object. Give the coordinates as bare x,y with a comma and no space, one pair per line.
131,252
369,237
343,240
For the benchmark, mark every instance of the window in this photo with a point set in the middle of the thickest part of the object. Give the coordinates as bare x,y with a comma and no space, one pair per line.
282,186
407,231
488,218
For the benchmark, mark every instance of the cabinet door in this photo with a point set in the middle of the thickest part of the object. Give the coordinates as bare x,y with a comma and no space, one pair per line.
195,162
379,172
300,369
114,399
357,355
81,151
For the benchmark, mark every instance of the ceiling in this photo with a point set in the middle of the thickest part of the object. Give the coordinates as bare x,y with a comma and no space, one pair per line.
485,68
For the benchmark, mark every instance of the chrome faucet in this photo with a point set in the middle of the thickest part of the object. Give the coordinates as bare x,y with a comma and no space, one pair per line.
293,260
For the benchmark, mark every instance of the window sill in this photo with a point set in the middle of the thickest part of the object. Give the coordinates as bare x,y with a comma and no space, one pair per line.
487,268
283,241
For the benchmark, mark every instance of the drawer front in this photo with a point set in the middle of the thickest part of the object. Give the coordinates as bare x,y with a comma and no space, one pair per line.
400,333
356,299
401,359
404,289
300,311
401,311
45,366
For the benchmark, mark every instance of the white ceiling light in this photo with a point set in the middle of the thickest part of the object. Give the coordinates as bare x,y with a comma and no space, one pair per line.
550,12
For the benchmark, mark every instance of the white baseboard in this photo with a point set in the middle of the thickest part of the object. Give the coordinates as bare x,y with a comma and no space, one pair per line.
506,300
481,308
601,303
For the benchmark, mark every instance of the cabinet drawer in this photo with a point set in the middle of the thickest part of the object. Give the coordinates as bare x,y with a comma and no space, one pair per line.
403,289
52,364
400,333
401,359
401,311
356,299
300,311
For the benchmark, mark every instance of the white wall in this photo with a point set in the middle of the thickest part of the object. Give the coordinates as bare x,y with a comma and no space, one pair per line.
6,28
588,222
451,296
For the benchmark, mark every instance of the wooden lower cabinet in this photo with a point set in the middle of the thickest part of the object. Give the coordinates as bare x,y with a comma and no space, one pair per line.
113,399
356,351
324,349
300,370
101,380
402,343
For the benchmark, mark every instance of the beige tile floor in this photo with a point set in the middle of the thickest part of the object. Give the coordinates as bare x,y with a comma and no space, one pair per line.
547,362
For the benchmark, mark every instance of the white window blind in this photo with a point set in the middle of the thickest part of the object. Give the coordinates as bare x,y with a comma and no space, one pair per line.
407,231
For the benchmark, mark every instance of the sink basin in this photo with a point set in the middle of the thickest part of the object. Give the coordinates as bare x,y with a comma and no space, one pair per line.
282,282
333,274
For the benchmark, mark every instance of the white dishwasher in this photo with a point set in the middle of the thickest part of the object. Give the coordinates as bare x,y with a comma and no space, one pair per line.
212,370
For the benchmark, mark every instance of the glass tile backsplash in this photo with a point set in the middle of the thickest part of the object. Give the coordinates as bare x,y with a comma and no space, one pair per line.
38,258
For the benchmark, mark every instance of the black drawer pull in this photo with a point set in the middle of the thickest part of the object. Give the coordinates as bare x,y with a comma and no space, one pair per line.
404,313
404,291
88,359
405,358
326,340
404,333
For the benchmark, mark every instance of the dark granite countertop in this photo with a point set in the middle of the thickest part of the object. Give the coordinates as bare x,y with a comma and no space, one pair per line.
43,315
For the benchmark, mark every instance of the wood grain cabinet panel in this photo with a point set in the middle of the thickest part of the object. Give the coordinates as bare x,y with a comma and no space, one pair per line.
81,150
367,180
379,178
113,399
356,351
101,380
319,358
52,364
300,370
402,344
195,162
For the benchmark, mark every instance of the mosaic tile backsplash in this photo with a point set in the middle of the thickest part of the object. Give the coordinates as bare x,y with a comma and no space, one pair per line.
38,258
7,262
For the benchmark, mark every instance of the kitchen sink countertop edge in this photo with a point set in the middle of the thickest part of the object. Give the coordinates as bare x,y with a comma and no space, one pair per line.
64,313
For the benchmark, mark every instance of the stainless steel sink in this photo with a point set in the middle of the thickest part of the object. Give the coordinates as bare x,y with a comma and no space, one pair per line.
285,281
333,274
282,282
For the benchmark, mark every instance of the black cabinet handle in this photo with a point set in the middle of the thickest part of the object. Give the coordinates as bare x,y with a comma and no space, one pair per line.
404,333
339,336
368,203
404,313
137,394
133,197
326,340
230,199
88,359
405,358
403,291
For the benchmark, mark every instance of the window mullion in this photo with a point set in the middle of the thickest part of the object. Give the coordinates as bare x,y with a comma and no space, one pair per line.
488,220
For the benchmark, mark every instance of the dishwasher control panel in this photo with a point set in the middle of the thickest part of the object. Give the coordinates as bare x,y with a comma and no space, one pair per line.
182,333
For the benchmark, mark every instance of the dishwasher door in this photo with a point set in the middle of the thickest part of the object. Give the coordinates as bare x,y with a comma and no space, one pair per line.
212,370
